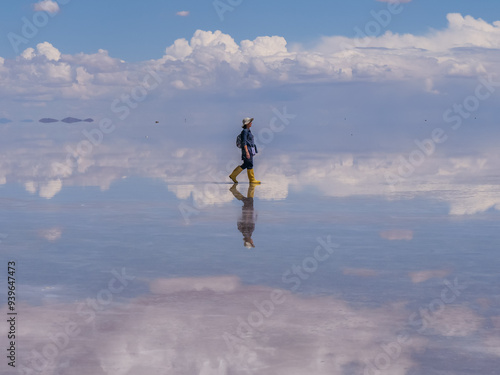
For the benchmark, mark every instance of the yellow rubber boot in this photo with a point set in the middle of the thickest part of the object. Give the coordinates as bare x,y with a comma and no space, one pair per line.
235,173
251,177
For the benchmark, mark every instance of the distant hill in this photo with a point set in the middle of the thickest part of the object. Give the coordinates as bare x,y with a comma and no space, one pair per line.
70,120
67,120
47,120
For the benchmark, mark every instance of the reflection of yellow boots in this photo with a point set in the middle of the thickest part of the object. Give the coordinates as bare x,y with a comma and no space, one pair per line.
251,191
236,193
235,173
251,177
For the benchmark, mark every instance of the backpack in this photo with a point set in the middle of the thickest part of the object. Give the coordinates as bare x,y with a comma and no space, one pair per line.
239,140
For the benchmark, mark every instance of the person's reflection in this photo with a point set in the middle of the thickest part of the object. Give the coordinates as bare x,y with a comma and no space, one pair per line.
246,223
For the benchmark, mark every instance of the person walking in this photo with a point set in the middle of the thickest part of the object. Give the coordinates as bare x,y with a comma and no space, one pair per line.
248,150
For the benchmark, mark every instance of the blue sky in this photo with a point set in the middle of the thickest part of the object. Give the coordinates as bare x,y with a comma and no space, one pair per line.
136,31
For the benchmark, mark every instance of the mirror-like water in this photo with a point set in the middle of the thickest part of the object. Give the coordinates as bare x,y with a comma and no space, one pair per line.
142,275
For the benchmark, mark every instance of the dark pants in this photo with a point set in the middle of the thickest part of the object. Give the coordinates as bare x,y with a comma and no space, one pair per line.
247,163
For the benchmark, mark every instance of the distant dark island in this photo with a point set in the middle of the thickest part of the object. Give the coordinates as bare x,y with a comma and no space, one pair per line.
67,120
70,120
4,120
48,120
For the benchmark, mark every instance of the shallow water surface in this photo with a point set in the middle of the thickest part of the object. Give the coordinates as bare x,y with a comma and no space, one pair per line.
154,276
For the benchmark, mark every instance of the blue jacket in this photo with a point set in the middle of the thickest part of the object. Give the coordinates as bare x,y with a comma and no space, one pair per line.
248,140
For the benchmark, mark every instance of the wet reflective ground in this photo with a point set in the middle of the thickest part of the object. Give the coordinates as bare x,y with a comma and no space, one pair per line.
152,277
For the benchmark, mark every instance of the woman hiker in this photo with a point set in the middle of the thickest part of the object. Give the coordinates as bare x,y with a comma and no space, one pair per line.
248,150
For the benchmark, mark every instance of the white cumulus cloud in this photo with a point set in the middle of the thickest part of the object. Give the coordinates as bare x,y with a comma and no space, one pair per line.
49,51
28,54
48,6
